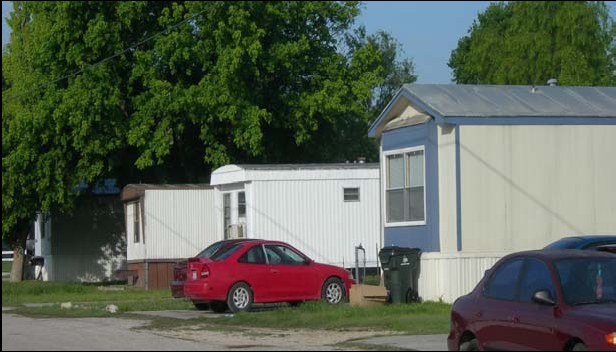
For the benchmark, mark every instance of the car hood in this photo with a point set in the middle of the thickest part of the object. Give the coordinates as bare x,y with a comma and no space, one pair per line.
595,312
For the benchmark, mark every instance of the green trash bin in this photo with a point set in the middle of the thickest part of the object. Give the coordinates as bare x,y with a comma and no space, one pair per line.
400,273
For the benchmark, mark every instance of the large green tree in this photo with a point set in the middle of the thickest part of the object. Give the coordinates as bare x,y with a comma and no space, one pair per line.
529,42
167,91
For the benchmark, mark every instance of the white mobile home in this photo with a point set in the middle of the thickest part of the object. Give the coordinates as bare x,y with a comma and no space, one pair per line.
325,210
85,245
164,224
473,172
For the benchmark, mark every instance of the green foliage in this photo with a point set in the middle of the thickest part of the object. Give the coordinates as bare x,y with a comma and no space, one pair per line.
527,43
166,91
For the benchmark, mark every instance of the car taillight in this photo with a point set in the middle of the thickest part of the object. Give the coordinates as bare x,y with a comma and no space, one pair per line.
205,271
351,278
611,338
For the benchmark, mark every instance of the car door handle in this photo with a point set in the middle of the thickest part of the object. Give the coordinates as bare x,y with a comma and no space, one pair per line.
275,272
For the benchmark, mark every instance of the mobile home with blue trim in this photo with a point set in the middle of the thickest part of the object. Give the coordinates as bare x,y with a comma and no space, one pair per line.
470,173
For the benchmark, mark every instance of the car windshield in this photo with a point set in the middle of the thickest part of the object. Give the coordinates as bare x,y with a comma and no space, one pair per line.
588,280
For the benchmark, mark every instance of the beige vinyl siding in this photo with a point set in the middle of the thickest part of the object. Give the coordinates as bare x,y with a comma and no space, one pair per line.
447,188
525,186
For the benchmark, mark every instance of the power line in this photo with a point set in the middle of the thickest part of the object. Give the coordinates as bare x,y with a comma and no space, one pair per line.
105,59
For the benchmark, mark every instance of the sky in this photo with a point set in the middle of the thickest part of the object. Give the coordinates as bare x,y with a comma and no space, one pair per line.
427,30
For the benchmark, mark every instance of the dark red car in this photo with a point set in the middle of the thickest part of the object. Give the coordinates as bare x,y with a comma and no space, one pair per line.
548,300
179,269
262,271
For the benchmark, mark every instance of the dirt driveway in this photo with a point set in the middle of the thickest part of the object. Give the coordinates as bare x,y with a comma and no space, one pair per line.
259,338
272,339
122,334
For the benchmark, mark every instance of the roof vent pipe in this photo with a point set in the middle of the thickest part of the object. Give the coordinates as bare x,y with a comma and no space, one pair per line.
552,82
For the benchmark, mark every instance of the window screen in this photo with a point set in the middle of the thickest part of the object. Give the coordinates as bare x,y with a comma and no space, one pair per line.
351,194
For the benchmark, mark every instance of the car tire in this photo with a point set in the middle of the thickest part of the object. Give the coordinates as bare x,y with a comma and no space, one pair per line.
471,345
240,298
201,306
579,347
333,291
218,306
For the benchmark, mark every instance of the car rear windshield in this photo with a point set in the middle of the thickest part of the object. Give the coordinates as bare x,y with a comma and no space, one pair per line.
211,249
565,243
225,253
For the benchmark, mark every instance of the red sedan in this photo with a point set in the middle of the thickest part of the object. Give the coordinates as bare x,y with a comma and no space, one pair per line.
262,271
550,300
179,269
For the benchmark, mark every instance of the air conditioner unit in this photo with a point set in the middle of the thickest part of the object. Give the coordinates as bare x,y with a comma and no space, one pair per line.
235,231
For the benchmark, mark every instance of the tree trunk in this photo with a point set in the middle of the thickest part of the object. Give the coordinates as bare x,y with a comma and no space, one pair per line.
18,264
19,257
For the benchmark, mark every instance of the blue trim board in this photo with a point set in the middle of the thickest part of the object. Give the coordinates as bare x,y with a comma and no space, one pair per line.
425,236
409,236
458,191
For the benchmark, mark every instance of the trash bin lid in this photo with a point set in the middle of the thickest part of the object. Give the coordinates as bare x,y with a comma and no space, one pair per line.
395,250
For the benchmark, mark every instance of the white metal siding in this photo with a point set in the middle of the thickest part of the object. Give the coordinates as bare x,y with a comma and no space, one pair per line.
312,216
447,276
525,186
89,244
84,268
134,251
178,223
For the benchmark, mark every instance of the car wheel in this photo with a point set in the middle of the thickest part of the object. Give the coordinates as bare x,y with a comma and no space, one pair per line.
240,297
201,306
333,291
471,345
218,306
579,347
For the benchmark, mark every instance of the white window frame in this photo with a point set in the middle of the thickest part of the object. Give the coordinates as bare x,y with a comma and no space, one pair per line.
351,188
225,207
384,166
137,222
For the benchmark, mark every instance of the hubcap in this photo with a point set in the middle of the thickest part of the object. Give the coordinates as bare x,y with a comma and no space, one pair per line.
334,293
241,297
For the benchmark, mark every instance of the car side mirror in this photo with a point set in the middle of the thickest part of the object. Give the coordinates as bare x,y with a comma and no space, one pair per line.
543,297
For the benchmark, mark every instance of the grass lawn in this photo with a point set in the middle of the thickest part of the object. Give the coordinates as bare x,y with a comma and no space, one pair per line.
89,300
6,267
419,318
